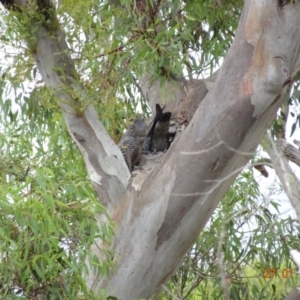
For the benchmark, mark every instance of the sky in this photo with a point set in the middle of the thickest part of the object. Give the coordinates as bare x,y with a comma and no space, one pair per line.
267,185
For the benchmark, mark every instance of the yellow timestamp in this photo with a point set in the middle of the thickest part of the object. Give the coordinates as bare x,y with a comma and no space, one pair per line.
272,272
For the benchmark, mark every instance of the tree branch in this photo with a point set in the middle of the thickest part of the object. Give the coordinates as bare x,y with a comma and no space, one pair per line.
103,159
289,181
289,151
163,218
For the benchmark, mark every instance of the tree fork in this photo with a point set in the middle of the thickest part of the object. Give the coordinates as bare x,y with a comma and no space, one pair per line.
103,159
158,224
158,221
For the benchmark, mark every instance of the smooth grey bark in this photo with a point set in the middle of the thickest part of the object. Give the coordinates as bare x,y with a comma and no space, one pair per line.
159,215
104,162
278,151
157,224
289,151
177,96
293,295
289,180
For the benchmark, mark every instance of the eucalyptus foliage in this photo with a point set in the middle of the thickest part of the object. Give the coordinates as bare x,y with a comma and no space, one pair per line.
48,207
246,237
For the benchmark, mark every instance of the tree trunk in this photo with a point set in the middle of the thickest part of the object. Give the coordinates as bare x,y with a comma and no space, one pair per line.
159,215
158,222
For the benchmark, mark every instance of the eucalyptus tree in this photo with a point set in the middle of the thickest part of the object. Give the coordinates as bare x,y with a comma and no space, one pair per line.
96,63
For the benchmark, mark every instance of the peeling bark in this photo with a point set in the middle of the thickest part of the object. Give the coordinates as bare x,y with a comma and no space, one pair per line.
158,224
178,96
159,216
